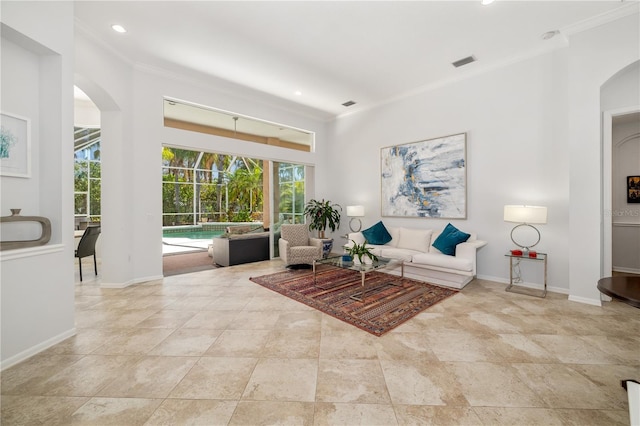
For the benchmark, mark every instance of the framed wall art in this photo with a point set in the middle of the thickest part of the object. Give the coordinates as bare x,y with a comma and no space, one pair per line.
426,178
633,189
15,145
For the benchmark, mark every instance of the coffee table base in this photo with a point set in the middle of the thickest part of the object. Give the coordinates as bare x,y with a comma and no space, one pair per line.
360,296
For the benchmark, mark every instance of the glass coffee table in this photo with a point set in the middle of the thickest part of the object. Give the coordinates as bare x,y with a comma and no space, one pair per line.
364,269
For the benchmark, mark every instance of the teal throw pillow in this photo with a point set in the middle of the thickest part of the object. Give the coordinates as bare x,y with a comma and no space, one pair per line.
449,239
377,234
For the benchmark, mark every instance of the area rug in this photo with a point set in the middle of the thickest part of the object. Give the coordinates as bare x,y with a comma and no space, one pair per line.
176,264
385,306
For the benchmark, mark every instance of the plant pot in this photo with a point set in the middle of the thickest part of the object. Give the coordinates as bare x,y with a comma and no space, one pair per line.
367,260
327,245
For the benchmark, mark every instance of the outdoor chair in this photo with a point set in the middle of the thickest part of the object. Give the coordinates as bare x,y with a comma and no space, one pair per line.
87,247
296,247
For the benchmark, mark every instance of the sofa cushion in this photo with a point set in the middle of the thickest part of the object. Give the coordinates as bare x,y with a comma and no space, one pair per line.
415,239
397,253
449,239
443,261
394,231
377,234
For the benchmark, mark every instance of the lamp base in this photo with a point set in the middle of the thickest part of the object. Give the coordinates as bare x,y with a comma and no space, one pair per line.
351,224
525,249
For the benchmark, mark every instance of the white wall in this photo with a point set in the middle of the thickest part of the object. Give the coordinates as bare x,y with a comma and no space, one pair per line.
510,117
533,132
594,57
37,286
133,134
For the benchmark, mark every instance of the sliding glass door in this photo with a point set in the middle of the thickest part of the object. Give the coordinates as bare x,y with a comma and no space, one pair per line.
288,197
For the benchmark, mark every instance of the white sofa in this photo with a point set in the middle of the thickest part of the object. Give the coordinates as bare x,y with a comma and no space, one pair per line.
424,262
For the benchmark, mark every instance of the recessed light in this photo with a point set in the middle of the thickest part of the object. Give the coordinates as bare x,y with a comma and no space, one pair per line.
118,28
297,93
486,2
550,34
349,103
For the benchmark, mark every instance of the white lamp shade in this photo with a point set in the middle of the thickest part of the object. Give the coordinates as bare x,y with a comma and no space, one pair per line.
355,211
525,214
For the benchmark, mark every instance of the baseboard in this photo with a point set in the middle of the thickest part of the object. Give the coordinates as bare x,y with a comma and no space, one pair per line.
10,362
626,270
587,301
132,282
535,286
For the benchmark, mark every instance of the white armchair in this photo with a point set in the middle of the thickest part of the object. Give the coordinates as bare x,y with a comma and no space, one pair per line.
296,247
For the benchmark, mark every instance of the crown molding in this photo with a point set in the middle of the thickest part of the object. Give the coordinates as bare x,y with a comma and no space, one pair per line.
628,9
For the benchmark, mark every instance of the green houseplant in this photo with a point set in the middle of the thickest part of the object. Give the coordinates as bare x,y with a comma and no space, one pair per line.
360,250
322,215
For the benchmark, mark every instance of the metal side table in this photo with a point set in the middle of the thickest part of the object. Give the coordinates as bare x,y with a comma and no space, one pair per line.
540,258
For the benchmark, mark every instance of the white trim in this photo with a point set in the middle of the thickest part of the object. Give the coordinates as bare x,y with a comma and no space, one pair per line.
626,224
30,252
606,200
626,270
536,286
601,19
9,362
132,282
585,300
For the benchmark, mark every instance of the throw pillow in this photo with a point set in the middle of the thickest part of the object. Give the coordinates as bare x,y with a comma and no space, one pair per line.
449,239
415,239
377,234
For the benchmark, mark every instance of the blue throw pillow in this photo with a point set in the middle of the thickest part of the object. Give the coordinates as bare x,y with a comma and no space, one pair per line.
377,234
449,239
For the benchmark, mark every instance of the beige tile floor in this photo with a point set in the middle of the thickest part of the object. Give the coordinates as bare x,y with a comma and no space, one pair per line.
213,348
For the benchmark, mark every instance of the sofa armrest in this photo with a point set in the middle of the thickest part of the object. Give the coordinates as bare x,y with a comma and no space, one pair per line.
283,246
467,250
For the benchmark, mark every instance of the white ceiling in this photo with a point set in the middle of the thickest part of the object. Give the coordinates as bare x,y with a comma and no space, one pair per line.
336,51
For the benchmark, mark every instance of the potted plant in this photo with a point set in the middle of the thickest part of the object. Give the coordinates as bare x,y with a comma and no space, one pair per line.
357,251
322,215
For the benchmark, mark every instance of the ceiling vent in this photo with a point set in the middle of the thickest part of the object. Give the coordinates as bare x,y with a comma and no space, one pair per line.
348,103
464,61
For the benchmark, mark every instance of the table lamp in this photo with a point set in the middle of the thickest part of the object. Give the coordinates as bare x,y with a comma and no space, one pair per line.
355,212
525,216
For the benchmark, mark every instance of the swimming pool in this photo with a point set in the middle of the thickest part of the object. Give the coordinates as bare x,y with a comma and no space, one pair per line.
200,232
195,234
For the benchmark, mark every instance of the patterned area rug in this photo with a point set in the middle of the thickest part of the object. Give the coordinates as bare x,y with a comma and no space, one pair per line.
385,306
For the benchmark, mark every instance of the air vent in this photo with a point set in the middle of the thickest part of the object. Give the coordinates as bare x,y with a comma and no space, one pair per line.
348,103
464,61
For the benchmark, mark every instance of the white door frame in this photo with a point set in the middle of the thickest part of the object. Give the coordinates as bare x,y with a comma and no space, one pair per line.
607,197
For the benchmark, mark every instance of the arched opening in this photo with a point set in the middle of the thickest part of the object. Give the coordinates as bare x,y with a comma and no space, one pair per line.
115,230
620,105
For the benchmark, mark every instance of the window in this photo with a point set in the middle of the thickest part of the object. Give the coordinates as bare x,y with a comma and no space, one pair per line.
197,118
87,174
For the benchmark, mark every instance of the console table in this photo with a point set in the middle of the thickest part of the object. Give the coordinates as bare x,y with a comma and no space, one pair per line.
540,258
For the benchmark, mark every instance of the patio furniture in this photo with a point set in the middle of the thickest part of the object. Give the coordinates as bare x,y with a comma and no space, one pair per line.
87,247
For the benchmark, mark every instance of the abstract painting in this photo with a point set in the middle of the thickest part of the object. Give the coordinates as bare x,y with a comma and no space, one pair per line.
15,146
426,178
633,189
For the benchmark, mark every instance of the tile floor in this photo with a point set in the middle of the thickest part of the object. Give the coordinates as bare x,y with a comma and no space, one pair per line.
213,348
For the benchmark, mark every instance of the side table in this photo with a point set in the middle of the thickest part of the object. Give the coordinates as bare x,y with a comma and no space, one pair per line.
540,257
